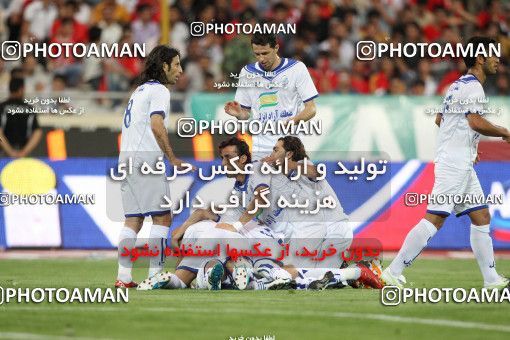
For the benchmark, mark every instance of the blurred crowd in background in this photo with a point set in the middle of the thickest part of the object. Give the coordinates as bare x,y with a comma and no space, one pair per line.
327,33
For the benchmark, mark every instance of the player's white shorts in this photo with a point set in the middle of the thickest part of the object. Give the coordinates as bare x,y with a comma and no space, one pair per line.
142,195
452,181
320,237
205,235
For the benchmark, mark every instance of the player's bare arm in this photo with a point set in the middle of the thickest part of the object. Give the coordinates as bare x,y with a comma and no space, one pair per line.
486,128
235,109
308,112
161,135
197,216
250,213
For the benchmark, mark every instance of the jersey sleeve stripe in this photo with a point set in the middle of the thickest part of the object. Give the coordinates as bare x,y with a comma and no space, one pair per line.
307,100
439,213
158,113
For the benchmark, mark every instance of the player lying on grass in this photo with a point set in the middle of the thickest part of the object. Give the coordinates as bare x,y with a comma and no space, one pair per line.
460,127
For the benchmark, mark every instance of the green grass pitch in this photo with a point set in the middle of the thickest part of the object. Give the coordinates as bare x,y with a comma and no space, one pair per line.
192,314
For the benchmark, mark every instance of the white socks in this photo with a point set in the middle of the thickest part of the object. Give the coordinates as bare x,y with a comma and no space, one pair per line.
271,271
157,240
175,283
414,243
127,238
481,243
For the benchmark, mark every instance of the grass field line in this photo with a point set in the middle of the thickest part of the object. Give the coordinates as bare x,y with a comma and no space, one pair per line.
34,336
339,315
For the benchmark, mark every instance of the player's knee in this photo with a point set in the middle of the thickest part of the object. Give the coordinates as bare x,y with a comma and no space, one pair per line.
134,223
185,276
164,220
480,217
436,220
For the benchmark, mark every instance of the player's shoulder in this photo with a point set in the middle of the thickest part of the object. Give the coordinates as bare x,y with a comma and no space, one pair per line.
294,62
153,88
257,167
252,68
468,84
291,66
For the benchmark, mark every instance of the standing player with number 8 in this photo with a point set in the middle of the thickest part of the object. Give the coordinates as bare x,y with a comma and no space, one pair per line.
144,139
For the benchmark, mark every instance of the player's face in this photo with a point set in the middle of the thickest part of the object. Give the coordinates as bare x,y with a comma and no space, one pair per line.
228,153
266,55
174,71
491,65
279,153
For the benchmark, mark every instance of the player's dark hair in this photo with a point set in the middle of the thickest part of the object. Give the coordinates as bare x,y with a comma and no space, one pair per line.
264,39
153,69
294,144
242,147
470,58
15,84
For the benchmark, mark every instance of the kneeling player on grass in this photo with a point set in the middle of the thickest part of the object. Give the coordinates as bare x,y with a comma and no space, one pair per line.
327,228
320,230
460,126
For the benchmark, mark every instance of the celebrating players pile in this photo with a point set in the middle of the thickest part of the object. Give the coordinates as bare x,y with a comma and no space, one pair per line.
262,219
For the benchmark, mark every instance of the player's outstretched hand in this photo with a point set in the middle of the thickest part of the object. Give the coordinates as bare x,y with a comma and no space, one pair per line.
233,108
181,165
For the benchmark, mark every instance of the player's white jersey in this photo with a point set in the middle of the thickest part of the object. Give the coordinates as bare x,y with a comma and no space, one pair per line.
137,137
273,96
270,216
457,143
317,191
251,183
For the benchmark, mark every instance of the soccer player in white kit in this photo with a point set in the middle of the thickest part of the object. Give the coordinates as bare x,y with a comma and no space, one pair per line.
328,227
460,126
144,139
285,91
